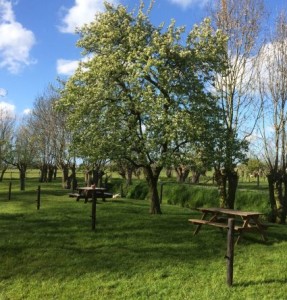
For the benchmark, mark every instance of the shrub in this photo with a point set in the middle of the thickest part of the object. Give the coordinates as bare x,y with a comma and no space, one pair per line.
190,195
195,196
138,190
252,200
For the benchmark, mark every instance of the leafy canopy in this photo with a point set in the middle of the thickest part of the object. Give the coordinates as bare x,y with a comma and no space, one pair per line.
142,93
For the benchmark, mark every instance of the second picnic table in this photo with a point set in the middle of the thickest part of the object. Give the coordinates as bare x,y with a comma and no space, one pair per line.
215,216
91,192
87,192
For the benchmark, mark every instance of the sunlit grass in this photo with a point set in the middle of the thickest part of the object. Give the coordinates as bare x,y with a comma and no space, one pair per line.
52,253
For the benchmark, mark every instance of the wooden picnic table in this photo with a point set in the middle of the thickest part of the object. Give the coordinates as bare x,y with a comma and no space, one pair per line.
217,217
86,193
91,192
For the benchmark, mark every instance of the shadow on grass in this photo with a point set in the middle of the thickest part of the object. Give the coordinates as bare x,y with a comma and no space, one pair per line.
59,241
261,282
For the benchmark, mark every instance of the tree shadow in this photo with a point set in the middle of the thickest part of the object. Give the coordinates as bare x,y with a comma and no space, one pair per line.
260,282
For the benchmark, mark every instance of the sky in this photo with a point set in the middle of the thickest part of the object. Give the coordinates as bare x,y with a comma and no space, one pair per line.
38,40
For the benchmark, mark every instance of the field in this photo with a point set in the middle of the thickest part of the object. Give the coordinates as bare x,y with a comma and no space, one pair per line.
52,253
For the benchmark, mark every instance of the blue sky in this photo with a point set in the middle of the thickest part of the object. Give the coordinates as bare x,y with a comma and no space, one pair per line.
37,40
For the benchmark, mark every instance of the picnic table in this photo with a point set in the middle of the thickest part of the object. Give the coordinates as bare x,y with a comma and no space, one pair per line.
87,193
217,217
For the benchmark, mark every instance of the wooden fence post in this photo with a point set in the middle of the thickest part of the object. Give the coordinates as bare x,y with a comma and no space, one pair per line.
38,197
230,251
94,209
9,192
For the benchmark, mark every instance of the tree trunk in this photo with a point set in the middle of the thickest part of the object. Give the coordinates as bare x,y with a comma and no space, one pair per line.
2,173
152,176
280,197
195,177
43,173
55,172
168,172
96,176
273,213
232,187
227,182
182,173
129,179
65,175
220,179
51,171
284,201
277,184
87,177
74,177
22,178
122,173
137,173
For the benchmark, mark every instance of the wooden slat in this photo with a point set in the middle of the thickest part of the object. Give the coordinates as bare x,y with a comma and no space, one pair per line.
74,195
206,222
198,221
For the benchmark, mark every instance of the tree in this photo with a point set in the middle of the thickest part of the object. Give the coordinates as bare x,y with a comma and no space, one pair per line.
143,93
94,171
42,124
22,152
7,125
240,21
182,172
273,90
126,170
51,137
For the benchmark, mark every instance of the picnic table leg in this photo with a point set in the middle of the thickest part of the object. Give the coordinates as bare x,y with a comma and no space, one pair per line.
199,225
240,232
94,210
238,238
246,224
260,228
103,196
86,193
197,229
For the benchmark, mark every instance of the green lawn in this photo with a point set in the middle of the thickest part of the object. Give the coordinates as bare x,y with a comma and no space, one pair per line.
53,253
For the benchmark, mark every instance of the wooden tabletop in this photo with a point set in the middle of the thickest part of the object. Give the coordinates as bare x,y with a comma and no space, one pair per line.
231,212
89,188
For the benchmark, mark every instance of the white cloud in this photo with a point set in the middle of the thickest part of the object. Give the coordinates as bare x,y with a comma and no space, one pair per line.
253,138
271,65
187,3
27,111
66,67
3,92
82,12
7,109
16,41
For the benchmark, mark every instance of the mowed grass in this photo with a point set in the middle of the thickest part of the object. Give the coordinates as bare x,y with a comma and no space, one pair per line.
52,253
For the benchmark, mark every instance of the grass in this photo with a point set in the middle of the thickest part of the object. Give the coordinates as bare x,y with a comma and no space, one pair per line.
52,253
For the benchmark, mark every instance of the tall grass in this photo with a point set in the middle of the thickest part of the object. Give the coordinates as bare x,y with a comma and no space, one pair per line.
249,196
193,196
